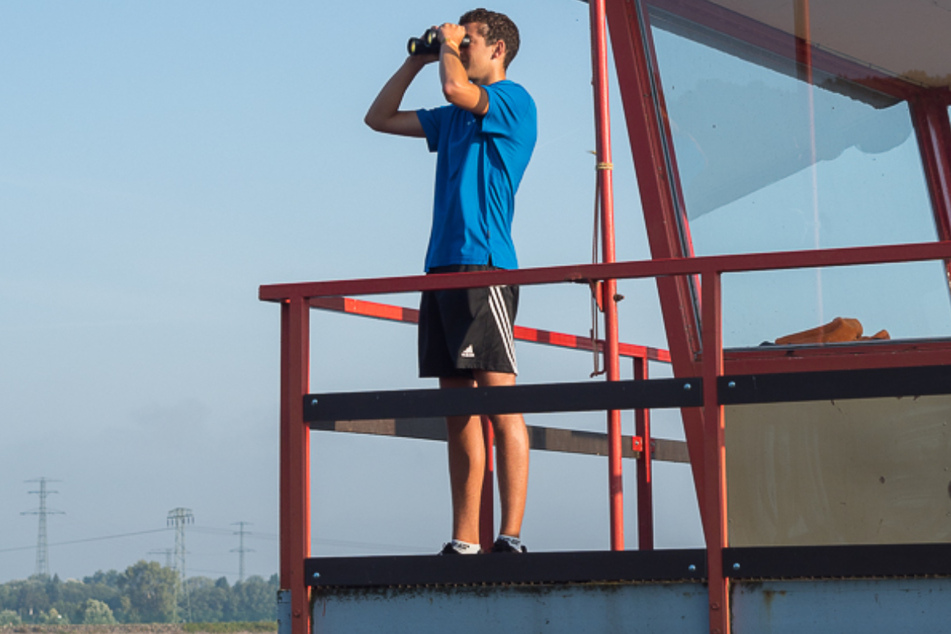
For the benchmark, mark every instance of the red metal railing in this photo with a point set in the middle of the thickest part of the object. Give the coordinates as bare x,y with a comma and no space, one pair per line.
640,356
706,441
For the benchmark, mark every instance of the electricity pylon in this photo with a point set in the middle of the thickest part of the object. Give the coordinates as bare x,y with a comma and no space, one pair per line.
179,518
241,549
164,551
42,544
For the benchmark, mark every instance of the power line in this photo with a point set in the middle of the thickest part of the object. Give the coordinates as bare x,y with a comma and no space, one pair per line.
87,540
224,531
221,531
42,545
197,529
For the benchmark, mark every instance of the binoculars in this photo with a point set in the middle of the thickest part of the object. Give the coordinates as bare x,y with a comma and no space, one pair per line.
428,44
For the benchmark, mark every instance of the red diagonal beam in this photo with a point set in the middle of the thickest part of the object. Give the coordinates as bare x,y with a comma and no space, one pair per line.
389,312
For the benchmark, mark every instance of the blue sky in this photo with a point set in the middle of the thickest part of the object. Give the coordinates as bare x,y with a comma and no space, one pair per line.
159,162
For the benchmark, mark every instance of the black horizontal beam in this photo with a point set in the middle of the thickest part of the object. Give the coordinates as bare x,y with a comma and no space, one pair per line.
739,564
808,562
834,385
629,395
526,399
548,567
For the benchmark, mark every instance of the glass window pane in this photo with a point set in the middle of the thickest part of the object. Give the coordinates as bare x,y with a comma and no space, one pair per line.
908,301
769,162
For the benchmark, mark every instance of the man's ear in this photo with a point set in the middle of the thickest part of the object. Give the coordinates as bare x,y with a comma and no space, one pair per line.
499,51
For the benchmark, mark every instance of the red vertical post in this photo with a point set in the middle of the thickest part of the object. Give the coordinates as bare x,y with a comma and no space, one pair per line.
648,131
599,57
487,503
930,116
714,467
295,459
645,486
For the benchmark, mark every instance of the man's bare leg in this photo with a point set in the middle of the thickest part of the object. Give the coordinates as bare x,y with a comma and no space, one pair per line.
511,437
466,468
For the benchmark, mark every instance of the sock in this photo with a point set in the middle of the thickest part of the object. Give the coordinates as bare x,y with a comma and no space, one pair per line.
515,542
465,548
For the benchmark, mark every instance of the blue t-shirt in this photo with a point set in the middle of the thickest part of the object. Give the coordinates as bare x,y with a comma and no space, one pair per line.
479,166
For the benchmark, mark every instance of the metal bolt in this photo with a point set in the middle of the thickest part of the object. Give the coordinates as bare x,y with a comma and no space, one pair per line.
731,384
313,403
736,566
692,568
687,387
316,576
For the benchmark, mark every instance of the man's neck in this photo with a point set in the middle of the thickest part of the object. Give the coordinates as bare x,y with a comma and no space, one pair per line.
489,79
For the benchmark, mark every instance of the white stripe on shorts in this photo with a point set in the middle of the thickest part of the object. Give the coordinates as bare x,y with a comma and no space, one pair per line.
504,323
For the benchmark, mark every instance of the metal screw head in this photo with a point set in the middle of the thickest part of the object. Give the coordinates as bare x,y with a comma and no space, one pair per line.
736,566
316,576
692,568
313,403
731,384
688,387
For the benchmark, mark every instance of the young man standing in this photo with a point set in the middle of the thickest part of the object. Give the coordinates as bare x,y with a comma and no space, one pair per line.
484,139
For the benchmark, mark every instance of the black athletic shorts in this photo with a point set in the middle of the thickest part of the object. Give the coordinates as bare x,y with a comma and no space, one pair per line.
467,329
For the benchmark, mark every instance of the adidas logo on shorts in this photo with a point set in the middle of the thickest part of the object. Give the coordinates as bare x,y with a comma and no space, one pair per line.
468,353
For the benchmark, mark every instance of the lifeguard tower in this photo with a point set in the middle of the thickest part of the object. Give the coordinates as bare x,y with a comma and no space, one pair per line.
793,159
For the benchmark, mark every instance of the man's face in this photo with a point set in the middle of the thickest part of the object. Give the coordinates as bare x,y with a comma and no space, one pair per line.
476,58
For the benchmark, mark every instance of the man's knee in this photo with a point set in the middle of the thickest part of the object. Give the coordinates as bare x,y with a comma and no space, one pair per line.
509,425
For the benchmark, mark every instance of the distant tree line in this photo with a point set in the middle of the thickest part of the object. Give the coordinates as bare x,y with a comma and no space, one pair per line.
145,593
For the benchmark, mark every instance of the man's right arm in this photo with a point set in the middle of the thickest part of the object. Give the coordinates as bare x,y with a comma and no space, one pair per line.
384,114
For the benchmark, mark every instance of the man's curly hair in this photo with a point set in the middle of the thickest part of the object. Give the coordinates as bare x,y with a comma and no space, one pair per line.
495,27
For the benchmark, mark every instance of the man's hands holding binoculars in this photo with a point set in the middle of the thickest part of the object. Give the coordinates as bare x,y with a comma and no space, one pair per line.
432,39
